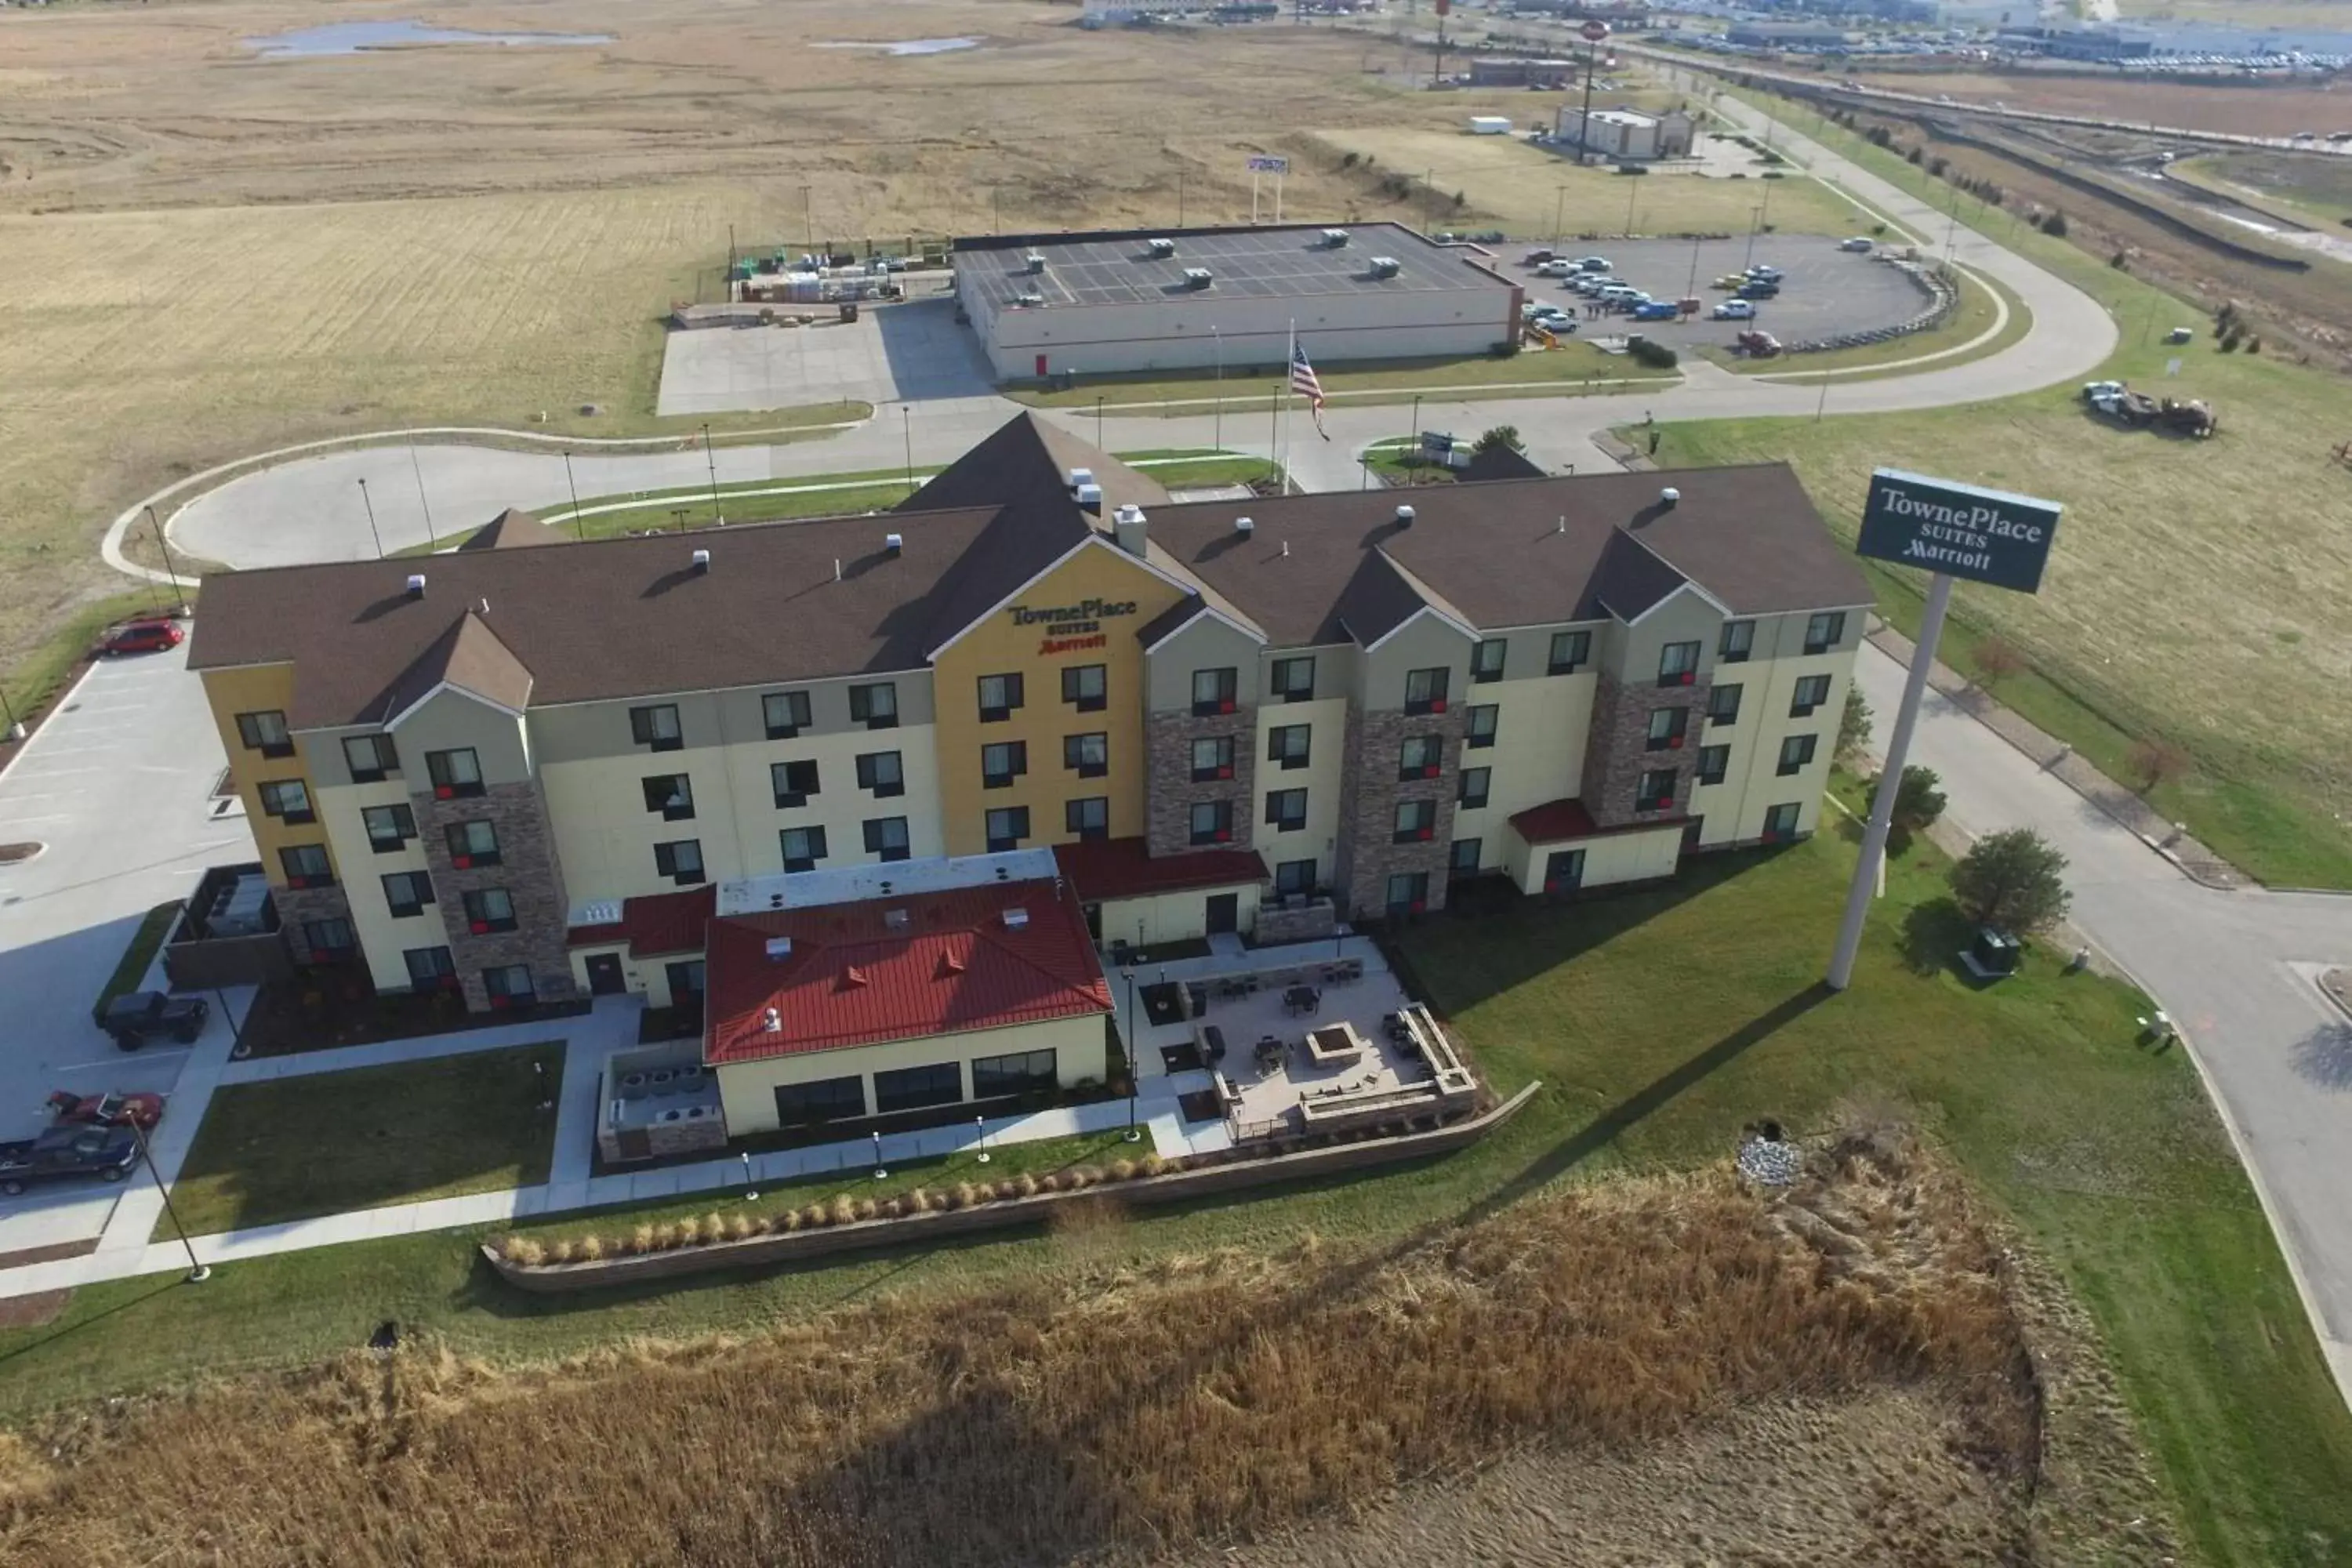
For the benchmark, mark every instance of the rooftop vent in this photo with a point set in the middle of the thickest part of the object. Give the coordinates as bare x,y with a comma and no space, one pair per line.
702,561
780,947
852,975
1242,525
1016,920
1129,530
1002,875
1404,517
1081,477
1198,277
771,1022
894,544
1031,299
1335,237
1670,496
1034,261
1090,498
1386,267
1162,247
416,584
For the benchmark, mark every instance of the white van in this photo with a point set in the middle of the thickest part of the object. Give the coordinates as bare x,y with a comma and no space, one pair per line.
1554,268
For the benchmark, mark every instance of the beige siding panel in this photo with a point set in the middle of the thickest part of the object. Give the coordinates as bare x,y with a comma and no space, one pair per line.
747,1090
1422,643
452,721
383,940
1207,643
1327,720
1174,917
580,731
1538,756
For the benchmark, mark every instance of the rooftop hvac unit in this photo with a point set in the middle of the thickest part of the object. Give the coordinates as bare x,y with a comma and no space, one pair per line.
1081,477
1090,496
1032,299
1242,525
1335,237
702,561
671,1116
1670,496
1386,267
416,584
1162,247
696,1113
894,544
1198,277
1035,261
1404,515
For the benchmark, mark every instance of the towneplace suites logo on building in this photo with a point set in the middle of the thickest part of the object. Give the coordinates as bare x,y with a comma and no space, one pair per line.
1071,627
1961,531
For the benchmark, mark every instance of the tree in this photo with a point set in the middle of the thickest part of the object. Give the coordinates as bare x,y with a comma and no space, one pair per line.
2012,881
1996,661
2054,225
1853,724
1501,439
2153,762
1918,799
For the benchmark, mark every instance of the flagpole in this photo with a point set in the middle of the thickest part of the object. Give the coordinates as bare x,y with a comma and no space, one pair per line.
1290,374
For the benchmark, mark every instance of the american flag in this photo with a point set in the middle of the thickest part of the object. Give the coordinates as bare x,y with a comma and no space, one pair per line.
1302,378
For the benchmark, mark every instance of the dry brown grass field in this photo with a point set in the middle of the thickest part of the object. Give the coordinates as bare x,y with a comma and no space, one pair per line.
1660,1369
2265,109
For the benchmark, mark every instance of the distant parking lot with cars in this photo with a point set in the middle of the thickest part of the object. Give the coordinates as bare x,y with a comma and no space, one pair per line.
1824,289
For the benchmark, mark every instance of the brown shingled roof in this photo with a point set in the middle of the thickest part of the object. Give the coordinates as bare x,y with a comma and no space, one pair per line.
511,529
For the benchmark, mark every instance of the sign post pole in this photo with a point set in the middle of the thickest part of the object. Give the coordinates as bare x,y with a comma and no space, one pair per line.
1953,531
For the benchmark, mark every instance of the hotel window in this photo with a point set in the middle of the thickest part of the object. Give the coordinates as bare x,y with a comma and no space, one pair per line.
389,827
1781,822
880,773
488,910
1416,820
998,696
1655,790
672,795
1570,652
508,985
1796,754
1018,1072
1002,761
1678,664
1475,784
1813,690
786,713
1212,759
886,838
455,774
1007,827
656,728
1563,870
1425,690
1088,818
1464,860
1737,641
826,1099
680,860
306,866
911,1089
1294,878
1713,763
1824,631
1214,691
1481,734
876,706
1086,688
1486,660
369,757
1722,705
1667,728
430,968
1293,679
1287,744
1286,810
688,981
472,845
1408,892
1212,821
1420,757
1089,756
329,939
406,893
288,800
792,783
264,732
805,846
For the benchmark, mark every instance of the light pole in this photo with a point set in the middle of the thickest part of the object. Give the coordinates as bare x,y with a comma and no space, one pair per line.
710,461
418,469
1558,216
579,528
1412,440
1691,288
197,1272
906,430
980,1127
165,545
14,730
1633,189
1755,217
1099,405
370,517
1217,438
879,1170
808,220
1134,1057
236,1031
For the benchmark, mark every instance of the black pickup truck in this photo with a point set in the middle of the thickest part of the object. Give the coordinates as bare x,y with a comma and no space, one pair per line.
106,1152
143,1015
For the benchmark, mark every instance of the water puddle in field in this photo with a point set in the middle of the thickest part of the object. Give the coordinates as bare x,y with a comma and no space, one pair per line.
912,46
363,38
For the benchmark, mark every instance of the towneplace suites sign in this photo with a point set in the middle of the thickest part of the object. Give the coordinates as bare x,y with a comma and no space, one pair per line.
1071,627
1961,531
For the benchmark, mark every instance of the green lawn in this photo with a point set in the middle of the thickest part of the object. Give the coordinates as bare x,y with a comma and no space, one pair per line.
292,1148
1977,314
1659,1024
146,941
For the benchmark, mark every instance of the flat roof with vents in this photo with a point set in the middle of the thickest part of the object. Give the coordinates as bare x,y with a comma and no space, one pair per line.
1291,261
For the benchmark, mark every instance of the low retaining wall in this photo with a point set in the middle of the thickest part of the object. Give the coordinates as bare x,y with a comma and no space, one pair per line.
1180,1186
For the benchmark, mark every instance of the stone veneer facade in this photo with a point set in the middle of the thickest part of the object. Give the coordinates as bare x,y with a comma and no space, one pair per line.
1616,752
1369,794
1171,792
526,870
296,907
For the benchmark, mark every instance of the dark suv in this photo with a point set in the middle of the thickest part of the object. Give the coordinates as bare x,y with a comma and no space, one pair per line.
145,1016
106,1152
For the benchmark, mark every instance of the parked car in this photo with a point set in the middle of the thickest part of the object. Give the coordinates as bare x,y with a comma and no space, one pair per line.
143,636
1593,264
1656,311
1558,326
1535,258
1736,310
1554,268
1757,344
1731,280
1589,283
112,1108
1861,242
142,1016
1760,289
1760,273
62,1152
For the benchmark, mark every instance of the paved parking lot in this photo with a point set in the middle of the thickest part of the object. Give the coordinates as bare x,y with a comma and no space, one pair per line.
117,784
1825,290
913,352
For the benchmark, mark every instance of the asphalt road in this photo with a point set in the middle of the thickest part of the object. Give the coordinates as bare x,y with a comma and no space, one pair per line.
2235,969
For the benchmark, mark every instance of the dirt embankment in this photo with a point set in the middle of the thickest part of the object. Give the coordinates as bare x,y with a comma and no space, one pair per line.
1666,1369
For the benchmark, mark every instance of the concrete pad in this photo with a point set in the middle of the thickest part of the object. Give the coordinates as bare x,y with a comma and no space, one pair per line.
908,352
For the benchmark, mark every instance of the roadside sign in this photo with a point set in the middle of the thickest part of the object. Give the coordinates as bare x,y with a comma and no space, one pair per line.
1436,441
1594,31
1263,164
1957,530
1444,6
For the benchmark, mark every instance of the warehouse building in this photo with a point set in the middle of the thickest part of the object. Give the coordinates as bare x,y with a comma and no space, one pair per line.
877,794
1628,135
1146,300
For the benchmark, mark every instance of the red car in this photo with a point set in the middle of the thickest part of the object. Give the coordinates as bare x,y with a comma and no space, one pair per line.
113,1109
144,637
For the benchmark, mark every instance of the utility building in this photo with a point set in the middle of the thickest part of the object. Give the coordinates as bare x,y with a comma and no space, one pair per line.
1628,135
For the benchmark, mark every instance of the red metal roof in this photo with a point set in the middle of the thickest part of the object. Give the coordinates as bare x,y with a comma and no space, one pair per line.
655,924
857,976
1558,821
1120,869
